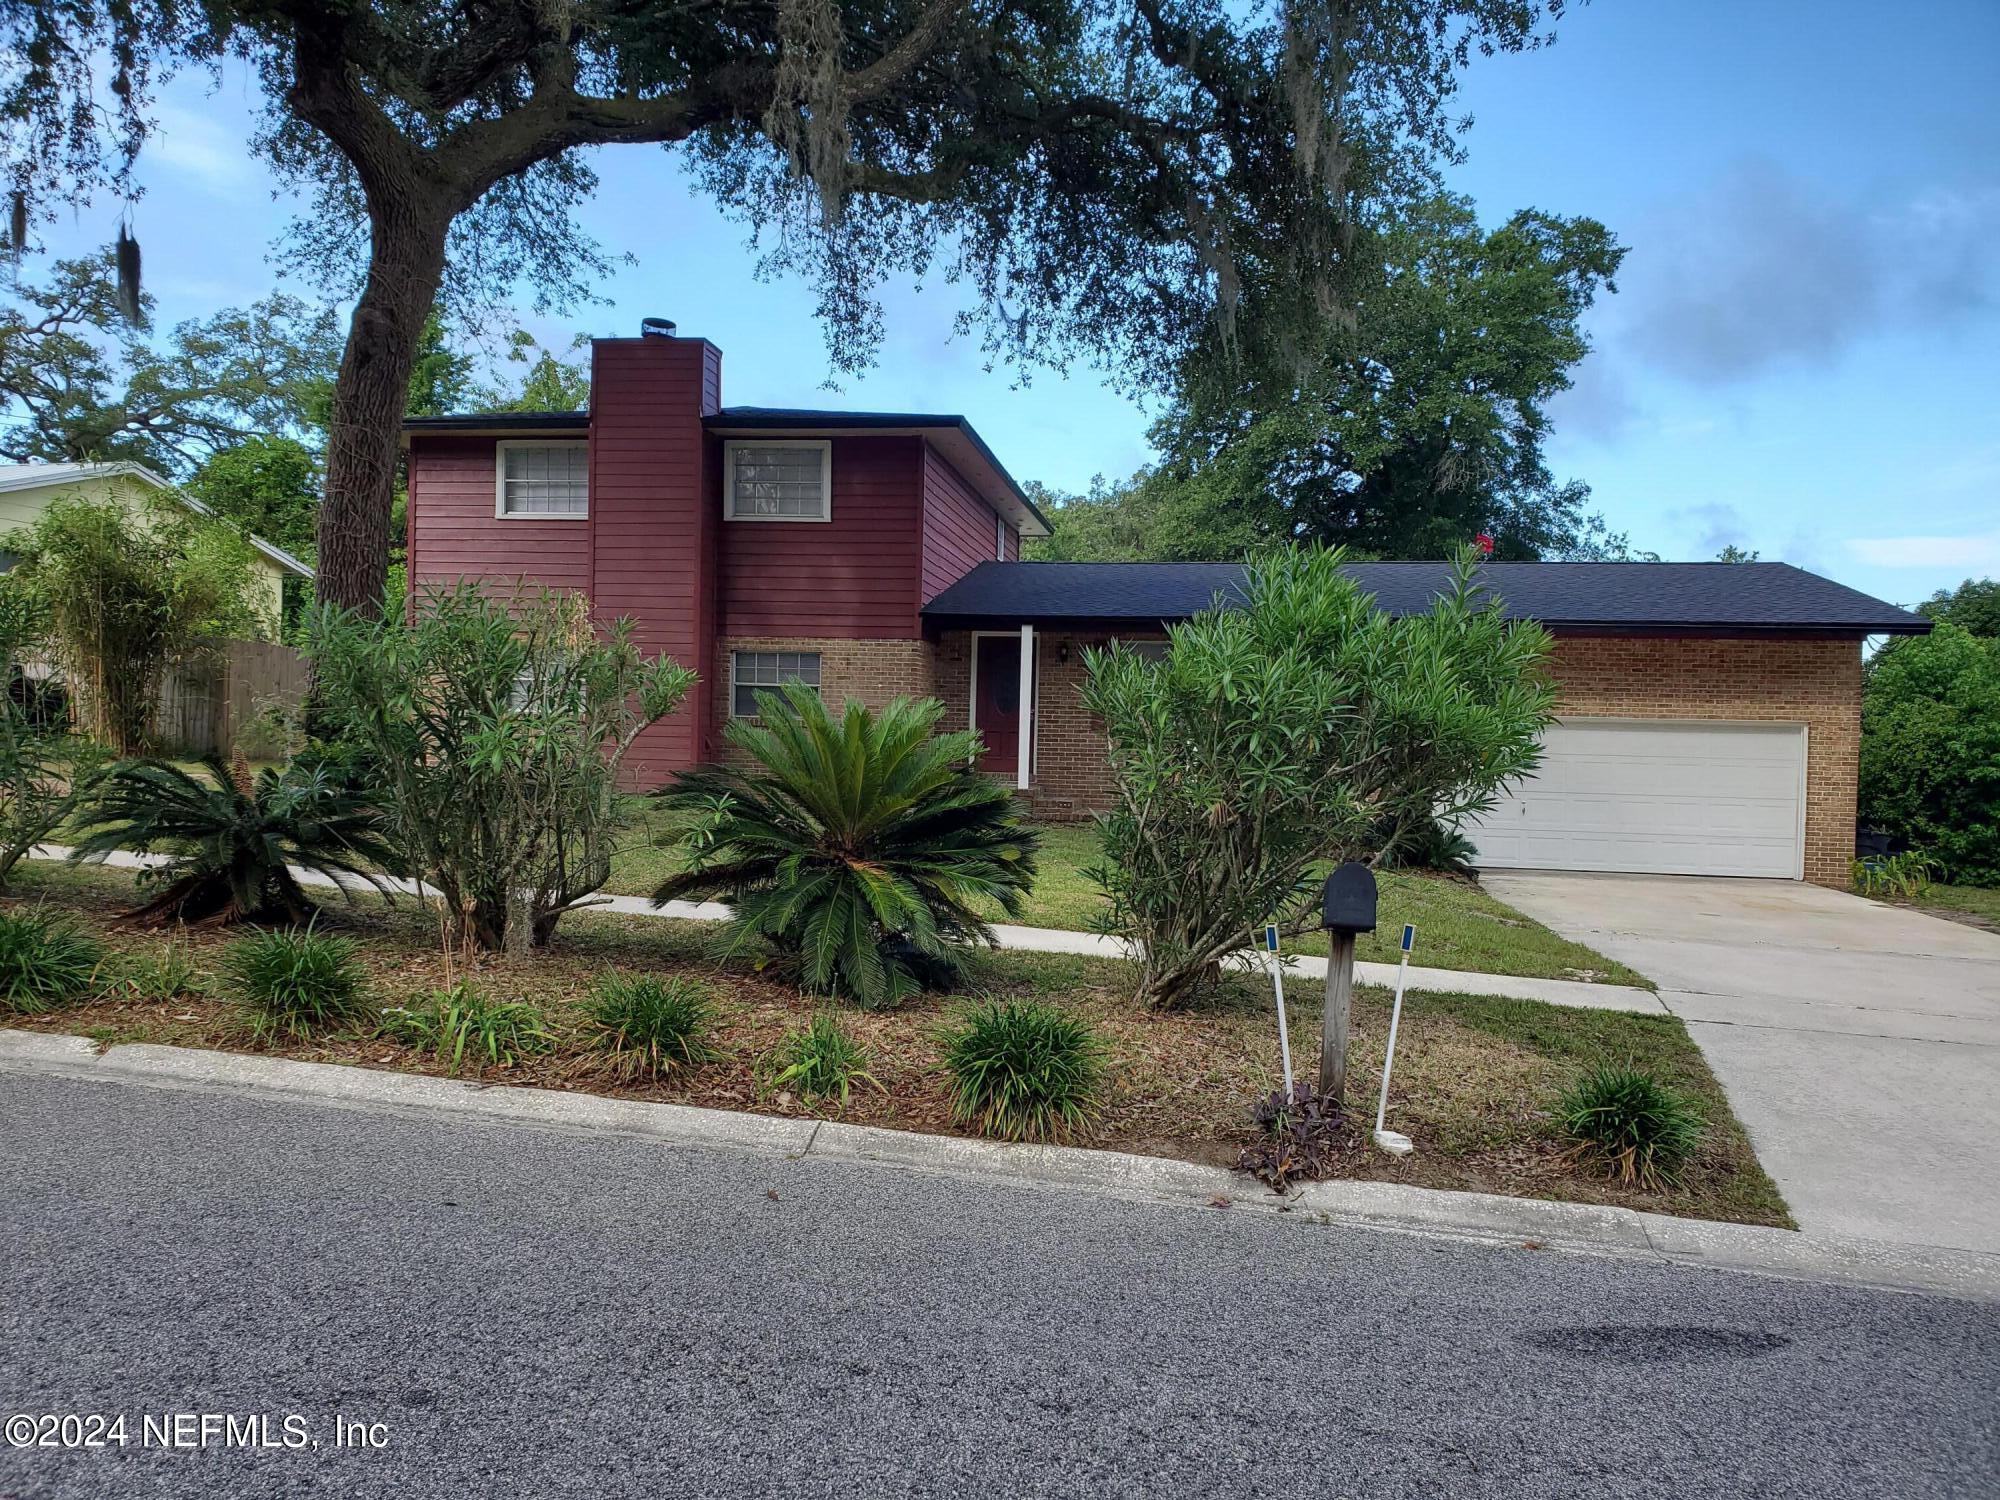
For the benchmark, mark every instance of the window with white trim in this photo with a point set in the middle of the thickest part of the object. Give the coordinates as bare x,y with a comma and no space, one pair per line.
541,479
778,481
751,672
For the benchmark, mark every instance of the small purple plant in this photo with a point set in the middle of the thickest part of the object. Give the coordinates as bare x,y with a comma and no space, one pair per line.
1301,1135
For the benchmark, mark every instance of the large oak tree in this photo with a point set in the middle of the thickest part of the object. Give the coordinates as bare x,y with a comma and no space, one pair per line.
1106,176
1409,423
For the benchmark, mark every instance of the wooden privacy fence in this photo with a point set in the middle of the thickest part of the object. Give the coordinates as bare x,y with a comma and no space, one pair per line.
206,706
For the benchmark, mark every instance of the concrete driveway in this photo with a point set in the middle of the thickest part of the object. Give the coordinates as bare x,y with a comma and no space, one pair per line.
1859,1043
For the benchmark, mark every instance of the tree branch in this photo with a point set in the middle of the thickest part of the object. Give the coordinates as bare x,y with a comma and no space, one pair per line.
891,66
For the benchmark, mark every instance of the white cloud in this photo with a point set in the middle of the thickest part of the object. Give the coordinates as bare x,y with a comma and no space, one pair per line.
1764,269
1715,524
1928,551
195,147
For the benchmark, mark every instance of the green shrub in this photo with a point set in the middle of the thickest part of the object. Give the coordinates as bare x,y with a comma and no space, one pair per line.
235,838
128,594
294,981
46,772
464,1024
1906,875
496,728
1303,728
46,961
652,1027
163,973
1639,1128
1022,1070
820,1061
1434,846
862,845
1930,750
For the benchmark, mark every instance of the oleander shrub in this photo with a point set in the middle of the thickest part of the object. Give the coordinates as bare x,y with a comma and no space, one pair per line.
46,961
1023,1070
1298,727
820,1061
861,844
463,1026
1639,1129
295,981
653,1027
495,729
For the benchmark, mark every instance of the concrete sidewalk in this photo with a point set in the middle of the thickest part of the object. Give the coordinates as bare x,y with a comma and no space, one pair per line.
1574,993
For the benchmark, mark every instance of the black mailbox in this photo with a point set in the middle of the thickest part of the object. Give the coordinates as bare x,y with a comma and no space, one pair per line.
1350,900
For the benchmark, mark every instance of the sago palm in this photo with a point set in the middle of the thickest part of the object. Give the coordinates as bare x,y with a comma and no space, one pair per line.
232,840
864,844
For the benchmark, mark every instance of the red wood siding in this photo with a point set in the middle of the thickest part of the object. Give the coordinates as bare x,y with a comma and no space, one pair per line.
851,578
1013,544
958,526
454,534
655,509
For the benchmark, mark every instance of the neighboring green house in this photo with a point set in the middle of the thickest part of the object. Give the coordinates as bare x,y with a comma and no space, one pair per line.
27,489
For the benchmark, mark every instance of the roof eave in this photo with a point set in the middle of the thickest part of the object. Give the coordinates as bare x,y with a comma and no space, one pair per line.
497,425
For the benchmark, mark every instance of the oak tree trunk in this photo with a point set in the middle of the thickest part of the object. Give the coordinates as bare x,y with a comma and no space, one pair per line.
405,267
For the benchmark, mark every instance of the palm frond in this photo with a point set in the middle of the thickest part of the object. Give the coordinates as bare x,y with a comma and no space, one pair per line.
861,841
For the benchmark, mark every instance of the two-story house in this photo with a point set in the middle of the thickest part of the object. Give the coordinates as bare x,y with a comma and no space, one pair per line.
759,546
1710,712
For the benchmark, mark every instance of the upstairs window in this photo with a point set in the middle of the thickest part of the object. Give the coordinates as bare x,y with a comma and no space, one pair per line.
752,672
778,481
542,479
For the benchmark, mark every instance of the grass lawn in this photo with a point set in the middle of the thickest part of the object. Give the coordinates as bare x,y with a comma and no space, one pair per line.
1458,925
1475,1077
1977,906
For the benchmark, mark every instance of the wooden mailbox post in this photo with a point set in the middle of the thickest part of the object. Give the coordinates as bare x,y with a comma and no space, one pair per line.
1347,910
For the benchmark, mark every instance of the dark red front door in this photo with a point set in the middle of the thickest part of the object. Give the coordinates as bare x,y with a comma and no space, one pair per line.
996,712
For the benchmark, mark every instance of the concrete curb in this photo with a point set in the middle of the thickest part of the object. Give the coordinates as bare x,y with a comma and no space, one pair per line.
1575,993
1527,1223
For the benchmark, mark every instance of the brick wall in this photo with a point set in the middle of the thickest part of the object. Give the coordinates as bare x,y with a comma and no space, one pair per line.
1072,776
871,671
1813,682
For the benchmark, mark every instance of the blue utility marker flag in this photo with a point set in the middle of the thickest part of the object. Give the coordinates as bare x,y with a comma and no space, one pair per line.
1409,937
1271,939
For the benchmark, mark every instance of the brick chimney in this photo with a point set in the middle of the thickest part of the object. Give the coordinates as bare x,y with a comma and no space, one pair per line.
655,518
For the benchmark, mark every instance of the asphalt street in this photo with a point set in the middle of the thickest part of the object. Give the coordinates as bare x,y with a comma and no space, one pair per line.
511,1311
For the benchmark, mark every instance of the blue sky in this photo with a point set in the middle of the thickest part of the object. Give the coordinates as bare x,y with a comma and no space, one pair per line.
1803,358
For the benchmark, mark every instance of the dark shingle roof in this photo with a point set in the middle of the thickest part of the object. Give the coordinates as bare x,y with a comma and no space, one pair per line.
499,421
1740,597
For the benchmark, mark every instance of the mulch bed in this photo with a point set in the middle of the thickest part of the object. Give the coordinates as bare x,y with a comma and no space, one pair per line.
1474,1077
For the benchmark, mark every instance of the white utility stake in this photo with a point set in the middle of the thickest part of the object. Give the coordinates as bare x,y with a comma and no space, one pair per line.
1389,1140
1278,988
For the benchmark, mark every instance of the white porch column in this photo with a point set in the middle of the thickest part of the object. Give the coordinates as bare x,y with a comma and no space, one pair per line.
1025,756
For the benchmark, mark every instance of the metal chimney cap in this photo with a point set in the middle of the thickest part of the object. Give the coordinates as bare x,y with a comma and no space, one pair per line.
656,328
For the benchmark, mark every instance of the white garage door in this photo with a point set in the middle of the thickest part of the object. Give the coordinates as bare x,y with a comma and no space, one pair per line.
1655,797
